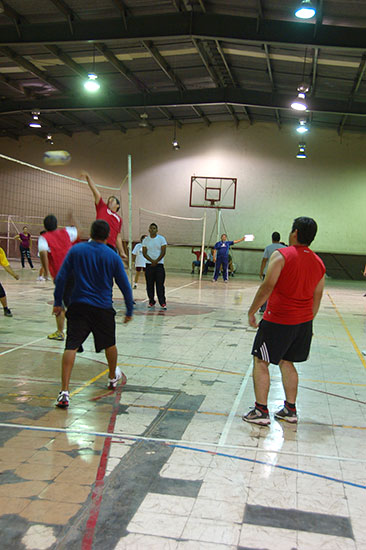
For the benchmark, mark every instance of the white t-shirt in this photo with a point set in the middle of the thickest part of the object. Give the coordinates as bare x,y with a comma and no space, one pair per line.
153,247
43,244
140,260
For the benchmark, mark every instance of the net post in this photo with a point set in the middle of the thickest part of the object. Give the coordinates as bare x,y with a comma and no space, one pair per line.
129,218
203,244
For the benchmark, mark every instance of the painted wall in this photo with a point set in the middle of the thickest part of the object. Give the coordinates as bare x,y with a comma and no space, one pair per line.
273,186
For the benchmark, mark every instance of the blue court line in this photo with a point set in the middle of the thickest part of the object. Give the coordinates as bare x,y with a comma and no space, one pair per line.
178,446
288,468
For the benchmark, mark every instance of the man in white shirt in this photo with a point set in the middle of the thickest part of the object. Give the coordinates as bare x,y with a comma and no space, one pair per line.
139,259
154,249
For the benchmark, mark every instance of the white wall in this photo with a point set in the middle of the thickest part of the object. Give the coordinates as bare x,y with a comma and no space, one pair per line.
273,186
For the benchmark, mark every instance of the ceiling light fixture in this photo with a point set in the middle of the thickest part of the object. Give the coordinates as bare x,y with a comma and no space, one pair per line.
302,128
305,10
35,122
299,103
91,85
301,152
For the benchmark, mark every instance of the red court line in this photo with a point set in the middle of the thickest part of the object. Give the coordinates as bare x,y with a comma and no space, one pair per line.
97,495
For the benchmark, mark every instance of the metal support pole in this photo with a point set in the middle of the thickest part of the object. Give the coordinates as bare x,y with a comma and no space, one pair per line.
130,219
203,244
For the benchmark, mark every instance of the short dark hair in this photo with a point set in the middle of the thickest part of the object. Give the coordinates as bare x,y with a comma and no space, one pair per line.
50,222
306,229
116,199
99,230
223,235
142,237
153,223
276,237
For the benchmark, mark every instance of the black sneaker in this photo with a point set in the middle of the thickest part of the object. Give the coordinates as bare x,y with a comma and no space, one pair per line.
7,312
287,415
256,416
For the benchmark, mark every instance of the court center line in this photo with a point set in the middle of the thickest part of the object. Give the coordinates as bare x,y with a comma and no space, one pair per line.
235,406
357,349
132,437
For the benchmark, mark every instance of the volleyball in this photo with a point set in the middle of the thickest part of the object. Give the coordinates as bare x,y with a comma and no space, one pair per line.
56,158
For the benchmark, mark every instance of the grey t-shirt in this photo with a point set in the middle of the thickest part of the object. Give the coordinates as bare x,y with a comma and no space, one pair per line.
268,251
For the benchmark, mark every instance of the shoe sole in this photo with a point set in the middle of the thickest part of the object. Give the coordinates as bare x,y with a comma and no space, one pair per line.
289,419
264,422
62,405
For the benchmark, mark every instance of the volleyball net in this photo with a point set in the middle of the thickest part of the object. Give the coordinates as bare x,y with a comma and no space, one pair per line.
28,193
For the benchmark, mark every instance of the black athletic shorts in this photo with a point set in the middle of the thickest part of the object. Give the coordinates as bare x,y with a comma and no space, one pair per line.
83,319
274,342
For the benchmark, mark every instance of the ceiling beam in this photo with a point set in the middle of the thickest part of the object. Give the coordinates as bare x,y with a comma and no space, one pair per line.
356,85
206,62
240,30
15,16
28,66
248,115
110,120
229,72
233,114
163,64
192,98
124,11
121,68
79,122
169,116
67,11
201,114
15,86
56,128
9,134
67,60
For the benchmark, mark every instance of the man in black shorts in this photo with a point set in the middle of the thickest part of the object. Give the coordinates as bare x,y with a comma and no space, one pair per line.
293,287
94,266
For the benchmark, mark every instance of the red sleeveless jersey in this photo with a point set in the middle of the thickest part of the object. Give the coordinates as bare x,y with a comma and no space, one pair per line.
291,301
59,243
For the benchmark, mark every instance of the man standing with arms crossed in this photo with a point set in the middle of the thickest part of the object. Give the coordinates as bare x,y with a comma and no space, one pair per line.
108,213
293,286
154,250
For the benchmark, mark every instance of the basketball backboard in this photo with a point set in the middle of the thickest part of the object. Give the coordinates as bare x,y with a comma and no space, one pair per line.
211,192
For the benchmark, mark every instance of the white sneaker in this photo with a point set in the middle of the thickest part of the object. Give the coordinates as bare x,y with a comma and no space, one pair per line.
363,352
134,285
40,278
112,382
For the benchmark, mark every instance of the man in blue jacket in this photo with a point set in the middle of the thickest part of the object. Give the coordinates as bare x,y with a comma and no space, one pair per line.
94,267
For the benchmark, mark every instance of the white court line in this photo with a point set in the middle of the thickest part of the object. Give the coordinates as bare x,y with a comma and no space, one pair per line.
235,406
174,289
22,346
193,444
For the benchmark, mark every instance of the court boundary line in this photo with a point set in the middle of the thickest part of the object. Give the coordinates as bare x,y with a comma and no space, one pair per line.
132,437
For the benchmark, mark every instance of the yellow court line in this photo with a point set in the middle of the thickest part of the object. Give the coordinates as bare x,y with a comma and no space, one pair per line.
89,382
348,332
210,371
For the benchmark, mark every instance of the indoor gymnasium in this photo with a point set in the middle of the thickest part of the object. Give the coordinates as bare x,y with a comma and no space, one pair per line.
218,403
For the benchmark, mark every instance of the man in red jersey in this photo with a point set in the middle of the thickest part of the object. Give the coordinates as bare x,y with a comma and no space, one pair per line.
293,286
53,245
108,213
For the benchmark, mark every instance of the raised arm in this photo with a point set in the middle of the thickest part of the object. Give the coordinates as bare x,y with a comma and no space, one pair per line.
239,240
17,237
97,196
